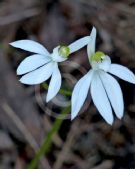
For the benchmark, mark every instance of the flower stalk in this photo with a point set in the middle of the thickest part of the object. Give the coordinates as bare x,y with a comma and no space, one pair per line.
45,147
61,91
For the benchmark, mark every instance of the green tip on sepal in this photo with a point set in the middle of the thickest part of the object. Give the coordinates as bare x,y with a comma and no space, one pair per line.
64,51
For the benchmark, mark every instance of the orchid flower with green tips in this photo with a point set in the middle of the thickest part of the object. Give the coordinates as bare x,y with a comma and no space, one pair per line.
42,65
105,90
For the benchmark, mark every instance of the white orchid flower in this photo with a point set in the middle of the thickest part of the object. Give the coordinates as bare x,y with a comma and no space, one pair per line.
42,65
105,90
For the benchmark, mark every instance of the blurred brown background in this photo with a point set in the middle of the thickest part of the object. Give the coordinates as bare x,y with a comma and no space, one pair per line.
87,142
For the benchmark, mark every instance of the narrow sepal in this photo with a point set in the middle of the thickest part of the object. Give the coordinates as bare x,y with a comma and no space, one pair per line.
55,83
30,46
39,75
80,93
78,44
122,72
31,63
100,99
114,93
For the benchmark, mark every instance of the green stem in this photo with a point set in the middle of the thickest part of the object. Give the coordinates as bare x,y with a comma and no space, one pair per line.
62,91
48,140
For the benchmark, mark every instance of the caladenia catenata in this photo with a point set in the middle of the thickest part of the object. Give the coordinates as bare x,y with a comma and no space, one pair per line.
104,88
43,65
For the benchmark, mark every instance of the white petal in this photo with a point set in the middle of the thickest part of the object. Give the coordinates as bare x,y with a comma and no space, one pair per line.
100,98
39,75
105,65
78,44
31,63
55,55
91,45
55,83
122,72
114,93
80,93
30,46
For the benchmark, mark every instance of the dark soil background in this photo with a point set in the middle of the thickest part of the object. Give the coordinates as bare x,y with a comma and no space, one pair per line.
87,142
